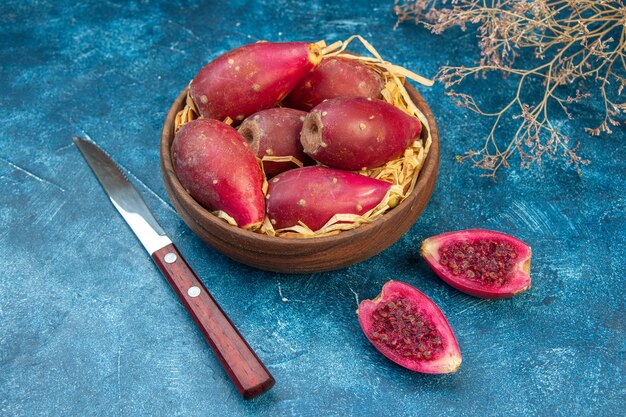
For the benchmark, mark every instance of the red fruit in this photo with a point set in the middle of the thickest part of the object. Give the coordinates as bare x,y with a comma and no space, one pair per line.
251,78
335,77
408,328
357,132
482,263
313,195
275,132
216,166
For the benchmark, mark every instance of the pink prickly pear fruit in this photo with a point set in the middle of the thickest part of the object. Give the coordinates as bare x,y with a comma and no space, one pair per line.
409,328
216,166
275,132
335,77
313,195
251,78
356,132
482,263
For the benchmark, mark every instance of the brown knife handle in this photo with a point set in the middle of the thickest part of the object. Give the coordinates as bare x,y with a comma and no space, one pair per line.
238,359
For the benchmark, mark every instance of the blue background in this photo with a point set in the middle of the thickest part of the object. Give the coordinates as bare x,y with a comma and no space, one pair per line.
89,327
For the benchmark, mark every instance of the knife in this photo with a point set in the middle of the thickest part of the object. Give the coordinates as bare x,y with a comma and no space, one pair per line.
242,365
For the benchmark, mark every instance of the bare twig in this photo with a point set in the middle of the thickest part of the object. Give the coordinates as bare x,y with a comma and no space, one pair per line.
573,44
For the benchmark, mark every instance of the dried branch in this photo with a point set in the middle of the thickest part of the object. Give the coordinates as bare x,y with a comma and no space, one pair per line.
563,44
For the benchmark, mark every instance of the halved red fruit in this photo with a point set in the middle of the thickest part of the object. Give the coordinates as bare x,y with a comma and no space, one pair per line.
407,327
482,263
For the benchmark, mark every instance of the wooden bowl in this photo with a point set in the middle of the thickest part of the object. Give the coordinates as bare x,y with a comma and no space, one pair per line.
305,255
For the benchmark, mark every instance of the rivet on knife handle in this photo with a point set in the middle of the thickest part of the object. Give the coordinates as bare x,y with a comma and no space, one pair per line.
240,362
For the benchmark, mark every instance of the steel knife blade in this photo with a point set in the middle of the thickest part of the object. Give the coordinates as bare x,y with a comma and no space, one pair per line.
250,376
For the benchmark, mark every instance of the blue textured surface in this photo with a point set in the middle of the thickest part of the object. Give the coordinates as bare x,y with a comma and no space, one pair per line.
89,327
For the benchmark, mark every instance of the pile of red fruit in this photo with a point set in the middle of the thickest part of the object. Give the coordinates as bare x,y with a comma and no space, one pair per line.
282,100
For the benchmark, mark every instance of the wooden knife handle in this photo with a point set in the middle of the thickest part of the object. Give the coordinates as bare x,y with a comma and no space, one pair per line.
238,359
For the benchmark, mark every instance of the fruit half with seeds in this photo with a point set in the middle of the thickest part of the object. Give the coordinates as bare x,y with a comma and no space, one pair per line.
482,263
409,328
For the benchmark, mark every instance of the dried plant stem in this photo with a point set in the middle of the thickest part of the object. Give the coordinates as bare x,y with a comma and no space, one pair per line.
565,44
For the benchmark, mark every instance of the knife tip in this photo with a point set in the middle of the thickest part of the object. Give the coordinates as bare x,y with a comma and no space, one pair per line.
82,139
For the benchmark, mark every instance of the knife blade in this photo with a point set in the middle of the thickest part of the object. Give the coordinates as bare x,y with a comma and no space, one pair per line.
243,366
